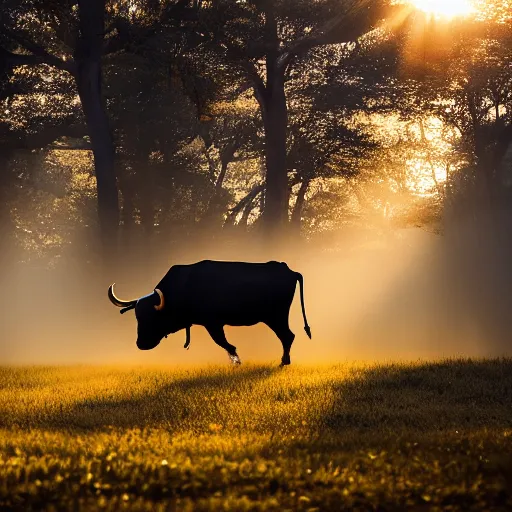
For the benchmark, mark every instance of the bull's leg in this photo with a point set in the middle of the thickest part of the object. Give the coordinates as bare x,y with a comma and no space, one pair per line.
286,336
218,336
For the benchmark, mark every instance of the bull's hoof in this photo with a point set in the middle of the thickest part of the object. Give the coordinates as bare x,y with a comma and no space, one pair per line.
283,364
235,359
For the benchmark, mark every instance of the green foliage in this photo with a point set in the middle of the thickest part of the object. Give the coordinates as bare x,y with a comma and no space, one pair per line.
387,437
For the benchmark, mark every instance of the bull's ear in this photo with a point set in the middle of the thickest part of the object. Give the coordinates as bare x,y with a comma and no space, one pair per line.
124,310
160,306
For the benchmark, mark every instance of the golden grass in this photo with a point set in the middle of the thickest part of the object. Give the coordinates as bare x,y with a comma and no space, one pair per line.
354,437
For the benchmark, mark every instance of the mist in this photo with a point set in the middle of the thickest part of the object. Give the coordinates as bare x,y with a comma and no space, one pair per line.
203,143
405,294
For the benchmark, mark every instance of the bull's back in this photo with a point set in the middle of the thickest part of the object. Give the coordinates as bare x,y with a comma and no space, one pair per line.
237,293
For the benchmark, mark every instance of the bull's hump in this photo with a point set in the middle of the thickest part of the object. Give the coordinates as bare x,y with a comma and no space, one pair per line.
181,272
230,262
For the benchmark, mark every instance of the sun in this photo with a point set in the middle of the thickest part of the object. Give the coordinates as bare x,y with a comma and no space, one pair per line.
444,8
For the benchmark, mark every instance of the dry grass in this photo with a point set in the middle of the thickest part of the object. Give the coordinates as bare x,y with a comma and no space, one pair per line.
354,437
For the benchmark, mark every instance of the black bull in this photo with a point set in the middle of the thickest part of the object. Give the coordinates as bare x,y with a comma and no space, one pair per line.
214,294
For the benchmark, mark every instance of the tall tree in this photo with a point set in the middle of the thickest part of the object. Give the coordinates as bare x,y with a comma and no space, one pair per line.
265,40
75,37
73,44
466,83
88,76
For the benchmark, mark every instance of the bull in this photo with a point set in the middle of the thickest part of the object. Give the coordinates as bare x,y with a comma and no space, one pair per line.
215,294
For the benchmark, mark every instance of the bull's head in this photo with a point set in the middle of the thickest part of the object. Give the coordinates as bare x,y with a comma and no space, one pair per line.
150,321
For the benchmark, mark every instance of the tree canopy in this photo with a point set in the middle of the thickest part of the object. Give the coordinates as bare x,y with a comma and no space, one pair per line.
126,122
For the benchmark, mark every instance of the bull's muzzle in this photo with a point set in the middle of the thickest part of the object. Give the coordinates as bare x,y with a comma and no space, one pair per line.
147,344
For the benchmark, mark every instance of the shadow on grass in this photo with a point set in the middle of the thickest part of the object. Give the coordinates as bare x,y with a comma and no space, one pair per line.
396,411
380,401
423,437
184,403
456,394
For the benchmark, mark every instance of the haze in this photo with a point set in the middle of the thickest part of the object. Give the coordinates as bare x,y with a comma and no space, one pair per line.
365,143
409,295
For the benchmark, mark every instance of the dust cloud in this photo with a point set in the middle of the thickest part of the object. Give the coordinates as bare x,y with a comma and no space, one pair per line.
403,294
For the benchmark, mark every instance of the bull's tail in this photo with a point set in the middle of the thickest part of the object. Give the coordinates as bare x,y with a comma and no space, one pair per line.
300,279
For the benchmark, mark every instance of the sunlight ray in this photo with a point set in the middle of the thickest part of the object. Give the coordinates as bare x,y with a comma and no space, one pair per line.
443,8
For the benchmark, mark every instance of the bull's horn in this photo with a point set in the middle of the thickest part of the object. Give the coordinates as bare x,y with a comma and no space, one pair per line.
118,302
160,306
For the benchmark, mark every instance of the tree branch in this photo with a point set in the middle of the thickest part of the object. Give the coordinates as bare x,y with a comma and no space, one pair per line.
347,26
38,54
251,195
18,59
260,90
129,35
46,137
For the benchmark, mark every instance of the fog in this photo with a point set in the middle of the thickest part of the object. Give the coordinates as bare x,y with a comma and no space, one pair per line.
404,295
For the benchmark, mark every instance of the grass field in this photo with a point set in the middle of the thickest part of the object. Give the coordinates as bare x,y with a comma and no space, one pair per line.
349,436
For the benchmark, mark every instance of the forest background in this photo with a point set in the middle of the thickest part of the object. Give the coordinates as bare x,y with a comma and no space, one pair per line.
367,143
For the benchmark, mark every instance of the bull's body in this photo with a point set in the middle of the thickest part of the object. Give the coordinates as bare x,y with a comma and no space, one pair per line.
215,294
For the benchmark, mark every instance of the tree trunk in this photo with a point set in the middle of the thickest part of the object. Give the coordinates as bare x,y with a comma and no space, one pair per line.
6,222
502,159
244,221
276,179
213,210
222,176
128,213
299,205
505,166
275,120
262,202
245,201
88,79
147,212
